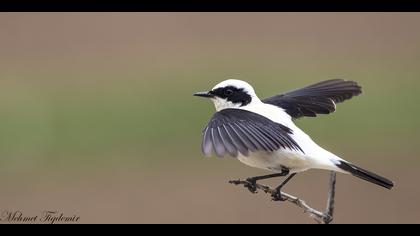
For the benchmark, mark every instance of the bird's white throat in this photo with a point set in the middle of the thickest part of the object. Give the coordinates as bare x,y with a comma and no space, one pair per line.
220,104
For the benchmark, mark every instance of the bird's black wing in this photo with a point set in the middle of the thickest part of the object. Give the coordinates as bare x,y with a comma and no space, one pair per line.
232,131
319,98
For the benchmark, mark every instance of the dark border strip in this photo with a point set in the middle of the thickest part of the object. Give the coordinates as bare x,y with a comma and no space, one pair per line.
208,6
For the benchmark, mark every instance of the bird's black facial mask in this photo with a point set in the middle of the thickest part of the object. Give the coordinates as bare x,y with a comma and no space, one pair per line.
232,94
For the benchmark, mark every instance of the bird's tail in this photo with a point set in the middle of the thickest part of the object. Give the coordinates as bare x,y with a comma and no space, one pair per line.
364,174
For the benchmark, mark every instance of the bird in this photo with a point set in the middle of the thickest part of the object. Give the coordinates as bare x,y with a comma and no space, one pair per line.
261,133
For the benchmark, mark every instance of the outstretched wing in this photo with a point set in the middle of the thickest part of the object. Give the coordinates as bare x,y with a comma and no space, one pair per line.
319,98
234,131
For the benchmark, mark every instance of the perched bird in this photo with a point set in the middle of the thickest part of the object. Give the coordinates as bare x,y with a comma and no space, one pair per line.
262,134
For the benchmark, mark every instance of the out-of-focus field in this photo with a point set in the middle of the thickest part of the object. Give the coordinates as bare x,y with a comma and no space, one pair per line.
97,116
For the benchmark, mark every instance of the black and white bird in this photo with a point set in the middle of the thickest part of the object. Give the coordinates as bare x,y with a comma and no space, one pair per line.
262,134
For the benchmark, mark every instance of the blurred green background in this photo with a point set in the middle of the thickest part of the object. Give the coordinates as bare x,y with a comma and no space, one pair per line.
97,116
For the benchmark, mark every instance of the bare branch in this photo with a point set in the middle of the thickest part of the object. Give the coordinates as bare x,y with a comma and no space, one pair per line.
320,217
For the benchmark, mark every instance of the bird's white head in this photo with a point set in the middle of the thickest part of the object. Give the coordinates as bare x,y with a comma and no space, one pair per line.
231,94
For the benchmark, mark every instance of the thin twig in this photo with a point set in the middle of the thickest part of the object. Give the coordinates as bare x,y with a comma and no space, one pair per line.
331,196
320,217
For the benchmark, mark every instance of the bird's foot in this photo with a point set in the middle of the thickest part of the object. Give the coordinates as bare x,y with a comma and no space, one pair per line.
277,196
251,184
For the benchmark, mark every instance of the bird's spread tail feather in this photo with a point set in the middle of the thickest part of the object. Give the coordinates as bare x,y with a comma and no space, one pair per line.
365,174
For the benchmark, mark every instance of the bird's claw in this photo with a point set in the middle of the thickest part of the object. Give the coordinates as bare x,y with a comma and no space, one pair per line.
251,185
277,196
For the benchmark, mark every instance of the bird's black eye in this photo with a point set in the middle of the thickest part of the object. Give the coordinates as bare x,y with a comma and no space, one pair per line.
228,92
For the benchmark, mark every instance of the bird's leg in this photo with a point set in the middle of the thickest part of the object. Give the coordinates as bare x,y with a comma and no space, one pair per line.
251,185
276,195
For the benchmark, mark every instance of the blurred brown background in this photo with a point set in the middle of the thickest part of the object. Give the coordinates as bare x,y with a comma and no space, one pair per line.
97,116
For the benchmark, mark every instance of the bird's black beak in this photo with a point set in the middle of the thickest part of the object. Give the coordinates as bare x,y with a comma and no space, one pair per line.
204,94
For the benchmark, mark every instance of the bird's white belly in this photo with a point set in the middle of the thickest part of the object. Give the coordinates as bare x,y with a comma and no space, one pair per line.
276,161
